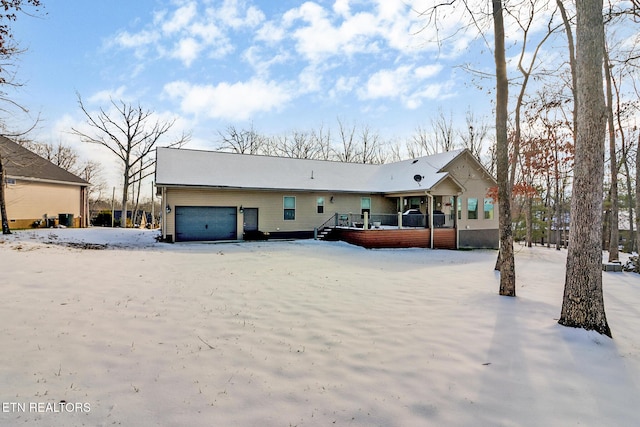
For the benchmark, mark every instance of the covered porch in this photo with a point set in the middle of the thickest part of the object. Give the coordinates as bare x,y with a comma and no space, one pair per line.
423,221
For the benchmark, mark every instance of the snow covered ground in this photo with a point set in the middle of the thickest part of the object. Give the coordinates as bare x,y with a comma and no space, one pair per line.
103,327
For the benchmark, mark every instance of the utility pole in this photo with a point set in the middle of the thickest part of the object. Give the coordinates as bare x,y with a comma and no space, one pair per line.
113,211
153,214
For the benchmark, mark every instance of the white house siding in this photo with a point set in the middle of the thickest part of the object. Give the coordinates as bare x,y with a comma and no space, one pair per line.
28,201
270,206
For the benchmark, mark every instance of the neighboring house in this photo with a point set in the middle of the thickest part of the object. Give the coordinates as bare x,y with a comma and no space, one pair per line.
210,196
39,193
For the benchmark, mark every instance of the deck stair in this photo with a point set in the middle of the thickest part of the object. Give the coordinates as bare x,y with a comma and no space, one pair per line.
324,232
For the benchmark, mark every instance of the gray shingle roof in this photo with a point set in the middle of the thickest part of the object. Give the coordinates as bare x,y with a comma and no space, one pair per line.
20,163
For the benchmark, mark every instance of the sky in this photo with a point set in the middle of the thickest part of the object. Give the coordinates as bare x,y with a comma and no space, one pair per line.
277,66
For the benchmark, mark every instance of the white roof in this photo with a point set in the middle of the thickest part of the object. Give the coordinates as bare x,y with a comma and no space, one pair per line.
195,168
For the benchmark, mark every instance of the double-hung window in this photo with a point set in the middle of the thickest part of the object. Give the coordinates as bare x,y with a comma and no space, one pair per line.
472,208
365,205
289,204
488,208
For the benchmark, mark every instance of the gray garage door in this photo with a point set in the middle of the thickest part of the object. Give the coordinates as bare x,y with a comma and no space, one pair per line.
205,223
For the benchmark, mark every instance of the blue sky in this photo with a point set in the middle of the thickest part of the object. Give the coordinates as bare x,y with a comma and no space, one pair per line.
279,65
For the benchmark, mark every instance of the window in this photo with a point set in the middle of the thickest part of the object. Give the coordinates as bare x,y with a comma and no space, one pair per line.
459,208
488,208
365,205
472,208
289,203
320,204
10,181
414,202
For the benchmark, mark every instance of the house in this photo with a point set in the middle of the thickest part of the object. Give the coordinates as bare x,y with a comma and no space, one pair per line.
208,196
39,193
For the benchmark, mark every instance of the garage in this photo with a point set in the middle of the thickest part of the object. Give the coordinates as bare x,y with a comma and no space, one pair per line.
202,223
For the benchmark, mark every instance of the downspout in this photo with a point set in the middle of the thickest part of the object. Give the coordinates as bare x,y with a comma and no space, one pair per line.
456,221
430,213
164,213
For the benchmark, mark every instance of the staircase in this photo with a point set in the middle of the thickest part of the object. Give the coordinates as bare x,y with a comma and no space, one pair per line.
324,232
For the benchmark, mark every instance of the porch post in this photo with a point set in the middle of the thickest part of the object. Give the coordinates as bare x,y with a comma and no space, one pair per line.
455,219
430,213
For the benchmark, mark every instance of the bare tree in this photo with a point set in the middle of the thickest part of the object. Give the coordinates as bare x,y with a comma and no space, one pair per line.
443,132
475,134
322,140
613,162
348,150
129,132
59,154
241,141
506,260
371,149
421,143
9,50
583,302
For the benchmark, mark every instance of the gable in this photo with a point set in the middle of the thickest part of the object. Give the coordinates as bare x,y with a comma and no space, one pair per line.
468,171
20,163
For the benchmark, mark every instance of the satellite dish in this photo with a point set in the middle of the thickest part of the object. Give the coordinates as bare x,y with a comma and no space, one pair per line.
417,178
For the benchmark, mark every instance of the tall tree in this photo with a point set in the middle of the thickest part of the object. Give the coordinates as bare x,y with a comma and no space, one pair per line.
614,227
129,132
506,258
9,49
583,302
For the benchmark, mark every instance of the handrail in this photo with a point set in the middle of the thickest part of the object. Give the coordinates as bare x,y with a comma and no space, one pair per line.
324,224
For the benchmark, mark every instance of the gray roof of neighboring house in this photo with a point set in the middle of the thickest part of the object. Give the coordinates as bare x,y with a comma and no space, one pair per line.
181,167
20,163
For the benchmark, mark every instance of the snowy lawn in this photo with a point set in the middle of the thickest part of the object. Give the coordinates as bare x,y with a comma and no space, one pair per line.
104,327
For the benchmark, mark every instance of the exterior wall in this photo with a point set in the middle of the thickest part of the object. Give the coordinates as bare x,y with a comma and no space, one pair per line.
478,239
29,201
477,185
270,206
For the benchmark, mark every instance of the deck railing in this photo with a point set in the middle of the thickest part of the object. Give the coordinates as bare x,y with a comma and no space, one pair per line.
381,220
412,220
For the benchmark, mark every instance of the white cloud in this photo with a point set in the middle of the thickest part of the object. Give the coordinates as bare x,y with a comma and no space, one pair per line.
237,101
262,61
192,30
271,33
387,83
341,7
187,50
408,84
343,85
180,19
105,96
143,38
231,13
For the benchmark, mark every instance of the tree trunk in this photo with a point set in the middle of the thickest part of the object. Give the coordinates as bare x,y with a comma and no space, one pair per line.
583,302
613,220
637,197
3,204
506,260
528,217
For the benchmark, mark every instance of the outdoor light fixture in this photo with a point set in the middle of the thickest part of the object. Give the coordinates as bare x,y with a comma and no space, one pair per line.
331,199
241,209
168,209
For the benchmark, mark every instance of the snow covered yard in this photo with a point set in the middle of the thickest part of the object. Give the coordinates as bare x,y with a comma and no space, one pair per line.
126,331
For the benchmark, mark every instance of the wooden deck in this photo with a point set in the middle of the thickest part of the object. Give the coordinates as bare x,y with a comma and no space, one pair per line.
443,238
